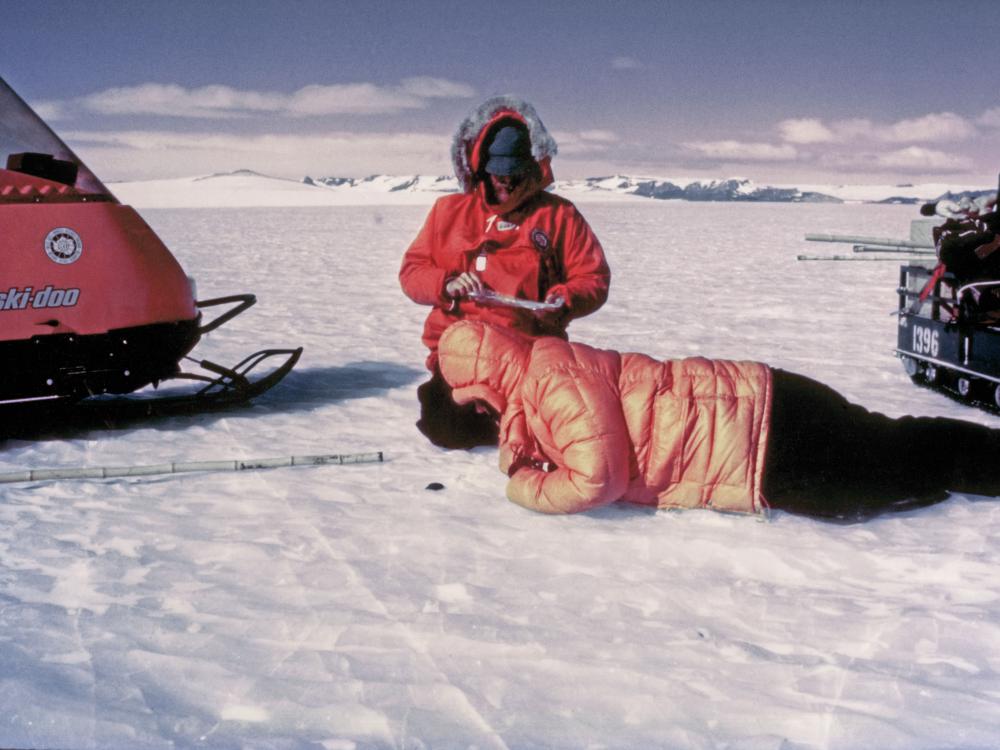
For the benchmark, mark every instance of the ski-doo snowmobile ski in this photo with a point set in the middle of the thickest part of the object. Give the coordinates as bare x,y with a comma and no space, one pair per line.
91,301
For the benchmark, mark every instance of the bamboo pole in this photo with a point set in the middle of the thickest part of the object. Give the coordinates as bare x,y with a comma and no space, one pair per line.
852,258
897,250
860,240
111,472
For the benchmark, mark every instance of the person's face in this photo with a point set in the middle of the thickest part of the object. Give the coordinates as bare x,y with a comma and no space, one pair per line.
504,185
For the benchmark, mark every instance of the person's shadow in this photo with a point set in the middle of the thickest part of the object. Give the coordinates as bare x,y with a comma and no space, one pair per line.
302,390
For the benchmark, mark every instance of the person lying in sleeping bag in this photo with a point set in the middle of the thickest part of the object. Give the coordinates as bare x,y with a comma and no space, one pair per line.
582,427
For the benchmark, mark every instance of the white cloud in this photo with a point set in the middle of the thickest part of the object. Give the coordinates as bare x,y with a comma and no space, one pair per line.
625,63
49,111
918,159
930,128
990,118
436,88
742,151
942,126
855,129
600,136
910,146
217,101
584,141
353,98
908,160
137,154
805,130
177,101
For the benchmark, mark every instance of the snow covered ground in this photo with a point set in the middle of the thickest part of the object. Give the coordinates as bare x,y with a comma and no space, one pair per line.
350,607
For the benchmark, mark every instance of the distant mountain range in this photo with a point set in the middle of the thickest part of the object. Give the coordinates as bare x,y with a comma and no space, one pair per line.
716,190
733,189
248,188
389,183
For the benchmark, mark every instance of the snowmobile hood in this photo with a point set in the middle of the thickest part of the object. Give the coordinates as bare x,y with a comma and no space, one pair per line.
482,362
467,152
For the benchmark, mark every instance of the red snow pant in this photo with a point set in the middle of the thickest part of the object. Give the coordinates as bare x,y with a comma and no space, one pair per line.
830,458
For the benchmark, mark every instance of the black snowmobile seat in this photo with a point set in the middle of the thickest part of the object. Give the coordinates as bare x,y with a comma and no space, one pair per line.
45,166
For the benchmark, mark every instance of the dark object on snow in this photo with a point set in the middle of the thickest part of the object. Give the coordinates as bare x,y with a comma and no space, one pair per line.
448,425
434,486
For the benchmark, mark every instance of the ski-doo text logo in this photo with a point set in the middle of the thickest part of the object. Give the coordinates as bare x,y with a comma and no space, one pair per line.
21,299
63,245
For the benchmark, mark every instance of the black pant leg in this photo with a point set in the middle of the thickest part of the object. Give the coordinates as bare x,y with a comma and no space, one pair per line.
829,457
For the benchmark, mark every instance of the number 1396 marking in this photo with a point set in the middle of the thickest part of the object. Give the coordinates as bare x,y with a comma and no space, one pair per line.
925,341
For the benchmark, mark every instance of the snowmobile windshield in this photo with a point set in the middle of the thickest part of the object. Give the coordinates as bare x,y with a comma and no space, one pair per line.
34,161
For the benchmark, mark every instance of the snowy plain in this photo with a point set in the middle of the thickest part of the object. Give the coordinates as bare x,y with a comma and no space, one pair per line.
349,607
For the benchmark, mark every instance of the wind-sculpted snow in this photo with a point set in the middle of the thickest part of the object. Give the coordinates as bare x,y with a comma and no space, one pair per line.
350,607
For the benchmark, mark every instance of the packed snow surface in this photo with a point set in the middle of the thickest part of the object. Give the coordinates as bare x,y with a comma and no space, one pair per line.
349,607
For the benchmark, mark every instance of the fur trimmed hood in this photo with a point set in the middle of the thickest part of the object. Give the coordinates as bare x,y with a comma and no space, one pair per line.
467,143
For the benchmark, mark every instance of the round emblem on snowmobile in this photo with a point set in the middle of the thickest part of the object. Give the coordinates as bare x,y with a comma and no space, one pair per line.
540,240
63,246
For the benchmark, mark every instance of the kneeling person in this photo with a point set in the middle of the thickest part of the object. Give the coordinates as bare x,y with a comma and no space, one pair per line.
503,234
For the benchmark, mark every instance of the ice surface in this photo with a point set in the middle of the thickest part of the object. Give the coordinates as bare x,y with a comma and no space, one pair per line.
348,607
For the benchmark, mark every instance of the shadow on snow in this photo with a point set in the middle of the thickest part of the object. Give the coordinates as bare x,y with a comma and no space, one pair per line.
301,391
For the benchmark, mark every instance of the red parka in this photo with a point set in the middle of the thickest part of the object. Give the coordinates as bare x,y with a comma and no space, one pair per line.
533,246
614,426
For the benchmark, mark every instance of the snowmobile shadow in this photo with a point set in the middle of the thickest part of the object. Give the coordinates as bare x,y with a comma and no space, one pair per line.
306,389
300,391
309,389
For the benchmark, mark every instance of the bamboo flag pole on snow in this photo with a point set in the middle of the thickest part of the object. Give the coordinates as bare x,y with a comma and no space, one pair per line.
109,472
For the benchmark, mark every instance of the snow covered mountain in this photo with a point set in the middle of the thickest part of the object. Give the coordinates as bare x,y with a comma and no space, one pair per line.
388,183
733,189
246,188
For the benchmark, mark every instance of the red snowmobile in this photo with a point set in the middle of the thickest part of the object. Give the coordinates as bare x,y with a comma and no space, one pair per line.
91,301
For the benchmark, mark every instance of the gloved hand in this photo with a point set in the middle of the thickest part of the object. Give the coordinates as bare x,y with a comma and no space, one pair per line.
466,283
553,320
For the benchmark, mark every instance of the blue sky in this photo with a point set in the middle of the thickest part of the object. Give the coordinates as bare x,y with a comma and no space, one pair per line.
777,91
